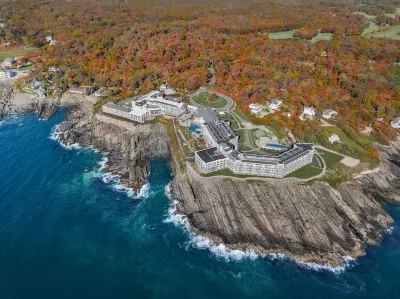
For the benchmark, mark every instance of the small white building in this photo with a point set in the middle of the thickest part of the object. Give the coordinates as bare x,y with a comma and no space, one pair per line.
255,108
8,62
53,42
274,104
77,90
329,113
101,93
334,138
167,90
53,69
8,73
49,38
396,123
308,113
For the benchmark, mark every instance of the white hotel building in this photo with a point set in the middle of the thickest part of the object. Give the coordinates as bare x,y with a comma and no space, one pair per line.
224,154
145,108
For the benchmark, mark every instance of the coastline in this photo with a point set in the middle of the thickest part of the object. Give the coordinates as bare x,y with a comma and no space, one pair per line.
131,147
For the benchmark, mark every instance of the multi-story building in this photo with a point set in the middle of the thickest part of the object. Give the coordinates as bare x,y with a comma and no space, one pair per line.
147,107
224,154
137,114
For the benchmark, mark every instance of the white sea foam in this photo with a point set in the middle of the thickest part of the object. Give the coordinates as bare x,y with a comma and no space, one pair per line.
55,135
228,254
390,230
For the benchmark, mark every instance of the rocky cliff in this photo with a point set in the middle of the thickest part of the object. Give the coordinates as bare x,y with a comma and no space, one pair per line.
130,146
308,222
18,103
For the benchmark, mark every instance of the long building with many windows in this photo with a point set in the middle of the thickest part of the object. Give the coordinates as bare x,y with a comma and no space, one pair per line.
145,108
223,154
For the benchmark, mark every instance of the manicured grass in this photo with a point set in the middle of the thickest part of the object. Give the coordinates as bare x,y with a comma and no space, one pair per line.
239,113
282,35
16,53
305,172
321,36
392,33
344,138
331,159
204,99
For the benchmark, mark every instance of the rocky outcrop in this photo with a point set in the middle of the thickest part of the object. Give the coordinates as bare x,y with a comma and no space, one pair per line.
130,146
6,95
309,222
18,103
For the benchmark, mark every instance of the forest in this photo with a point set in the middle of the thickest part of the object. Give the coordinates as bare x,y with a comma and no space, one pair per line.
134,46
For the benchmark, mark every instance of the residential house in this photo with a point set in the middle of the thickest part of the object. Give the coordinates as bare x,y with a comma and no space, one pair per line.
275,104
396,123
8,63
101,93
166,89
334,138
329,113
308,113
255,108
8,73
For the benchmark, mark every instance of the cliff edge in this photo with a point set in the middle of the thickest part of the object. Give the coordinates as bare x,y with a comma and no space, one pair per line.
308,222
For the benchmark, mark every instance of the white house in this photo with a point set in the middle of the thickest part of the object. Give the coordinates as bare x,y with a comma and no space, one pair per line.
396,123
53,43
8,73
255,108
329,113
7,63
308,113
166,89
101,93
334,138
49,38
275,104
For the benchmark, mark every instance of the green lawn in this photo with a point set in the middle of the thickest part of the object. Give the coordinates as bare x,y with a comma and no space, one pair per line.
240,114
331,159
344,138
16,53
282,35
205,99
321,36
305,172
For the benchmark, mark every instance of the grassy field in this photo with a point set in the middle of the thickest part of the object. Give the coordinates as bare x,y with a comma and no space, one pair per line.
322,36
240,113
282,35
16,53
331,159
307,171
205,99
344,138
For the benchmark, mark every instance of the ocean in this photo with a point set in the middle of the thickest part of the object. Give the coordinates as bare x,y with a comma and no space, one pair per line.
68,230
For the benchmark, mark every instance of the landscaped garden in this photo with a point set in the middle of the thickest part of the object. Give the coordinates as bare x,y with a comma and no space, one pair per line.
210,100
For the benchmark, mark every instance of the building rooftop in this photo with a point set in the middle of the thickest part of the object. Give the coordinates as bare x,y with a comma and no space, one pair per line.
207,114
294,153
210,154
117,107
221,130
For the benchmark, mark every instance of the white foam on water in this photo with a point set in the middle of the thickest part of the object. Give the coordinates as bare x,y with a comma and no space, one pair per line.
390,230
228,254
55,135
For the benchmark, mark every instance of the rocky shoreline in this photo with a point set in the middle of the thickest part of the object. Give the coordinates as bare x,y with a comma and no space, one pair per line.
307,222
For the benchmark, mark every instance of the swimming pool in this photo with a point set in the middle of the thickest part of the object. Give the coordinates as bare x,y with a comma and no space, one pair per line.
276,146
195,128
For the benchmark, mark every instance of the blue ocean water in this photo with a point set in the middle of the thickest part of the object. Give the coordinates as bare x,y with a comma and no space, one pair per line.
65,233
